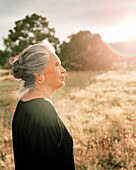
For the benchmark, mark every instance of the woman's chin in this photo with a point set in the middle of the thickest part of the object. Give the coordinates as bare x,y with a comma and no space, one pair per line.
62,84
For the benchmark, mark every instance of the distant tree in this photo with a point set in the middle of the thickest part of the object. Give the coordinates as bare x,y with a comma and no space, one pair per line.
72,52
30,30
4,55
84,51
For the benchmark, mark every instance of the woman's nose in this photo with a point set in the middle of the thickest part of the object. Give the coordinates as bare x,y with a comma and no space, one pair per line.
63,70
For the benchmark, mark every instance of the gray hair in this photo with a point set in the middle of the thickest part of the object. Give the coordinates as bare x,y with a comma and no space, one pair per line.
32,59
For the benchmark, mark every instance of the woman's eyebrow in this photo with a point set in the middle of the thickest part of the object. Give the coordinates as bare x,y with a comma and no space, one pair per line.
58,62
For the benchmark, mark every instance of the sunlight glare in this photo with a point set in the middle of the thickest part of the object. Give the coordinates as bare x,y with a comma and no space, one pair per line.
126,31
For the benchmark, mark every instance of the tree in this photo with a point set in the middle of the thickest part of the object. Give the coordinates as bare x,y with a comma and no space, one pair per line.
30,30
3,57
84,51
72,52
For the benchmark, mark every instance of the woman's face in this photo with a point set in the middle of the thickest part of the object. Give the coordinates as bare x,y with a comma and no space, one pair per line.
54,72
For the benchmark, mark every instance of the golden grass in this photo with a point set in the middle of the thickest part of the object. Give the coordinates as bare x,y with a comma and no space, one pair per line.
99,109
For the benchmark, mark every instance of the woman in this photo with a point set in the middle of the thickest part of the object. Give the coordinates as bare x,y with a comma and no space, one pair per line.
40,139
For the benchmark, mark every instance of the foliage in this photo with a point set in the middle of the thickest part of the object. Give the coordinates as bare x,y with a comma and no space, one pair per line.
30,30
84,51
4,55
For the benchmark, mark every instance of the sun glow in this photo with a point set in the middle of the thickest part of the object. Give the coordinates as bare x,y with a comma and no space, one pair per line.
125,31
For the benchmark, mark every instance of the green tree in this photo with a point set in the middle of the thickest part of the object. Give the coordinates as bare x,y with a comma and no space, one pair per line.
30,30
4,55
73,51
84,51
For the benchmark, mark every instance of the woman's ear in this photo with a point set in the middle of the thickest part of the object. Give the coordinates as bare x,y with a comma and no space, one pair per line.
38,76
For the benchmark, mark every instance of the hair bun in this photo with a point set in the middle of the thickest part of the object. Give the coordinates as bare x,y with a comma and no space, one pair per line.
16,63
17,70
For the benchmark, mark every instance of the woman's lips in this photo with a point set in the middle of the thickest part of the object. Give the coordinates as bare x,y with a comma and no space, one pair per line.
63,78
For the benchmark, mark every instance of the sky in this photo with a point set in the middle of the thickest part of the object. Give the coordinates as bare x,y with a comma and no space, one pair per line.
114,20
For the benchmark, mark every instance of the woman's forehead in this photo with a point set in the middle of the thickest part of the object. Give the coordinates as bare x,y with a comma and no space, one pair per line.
54,58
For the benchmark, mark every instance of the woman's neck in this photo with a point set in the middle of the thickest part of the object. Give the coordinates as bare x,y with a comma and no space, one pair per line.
45,92
37,93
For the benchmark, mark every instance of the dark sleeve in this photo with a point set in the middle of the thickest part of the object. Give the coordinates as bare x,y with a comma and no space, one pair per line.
42,138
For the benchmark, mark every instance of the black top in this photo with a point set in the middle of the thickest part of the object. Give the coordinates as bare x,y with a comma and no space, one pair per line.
40,139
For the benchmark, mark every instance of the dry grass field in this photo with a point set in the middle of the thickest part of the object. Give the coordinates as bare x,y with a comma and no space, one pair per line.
98,108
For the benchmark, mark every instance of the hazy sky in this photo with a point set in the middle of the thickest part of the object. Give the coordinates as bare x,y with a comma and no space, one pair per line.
112,19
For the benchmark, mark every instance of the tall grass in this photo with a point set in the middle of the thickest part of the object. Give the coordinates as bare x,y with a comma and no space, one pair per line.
98,108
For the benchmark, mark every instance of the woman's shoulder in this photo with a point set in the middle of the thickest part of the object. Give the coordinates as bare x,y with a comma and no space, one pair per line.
35,112
38,107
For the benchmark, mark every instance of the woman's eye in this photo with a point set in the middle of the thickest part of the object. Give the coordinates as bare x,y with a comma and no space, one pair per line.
57,64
